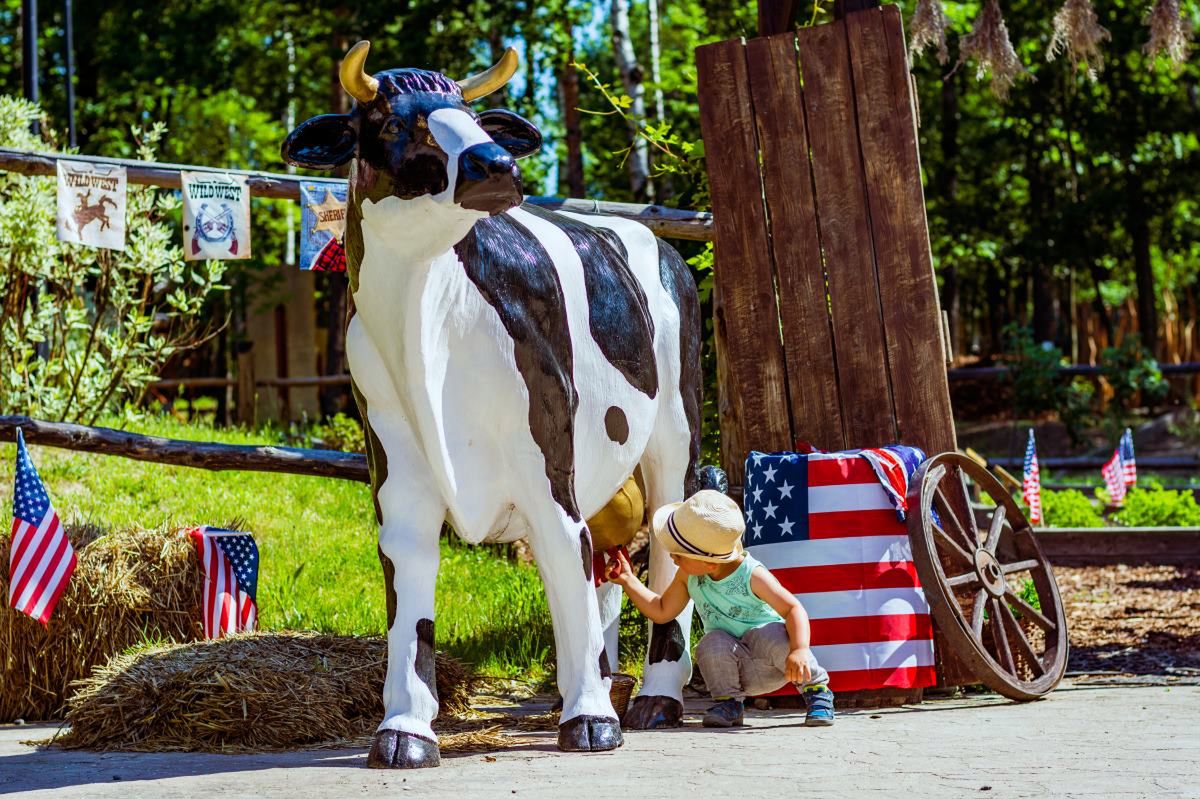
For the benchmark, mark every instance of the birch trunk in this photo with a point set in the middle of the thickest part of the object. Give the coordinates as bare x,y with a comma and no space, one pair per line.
631,79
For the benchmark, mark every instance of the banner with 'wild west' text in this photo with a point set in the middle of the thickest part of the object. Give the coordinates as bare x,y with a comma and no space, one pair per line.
91,204
216,216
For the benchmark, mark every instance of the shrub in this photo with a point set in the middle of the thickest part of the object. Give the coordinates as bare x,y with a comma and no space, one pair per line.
1130,370
340,432
85,329
1069,508
1158,507
1037,385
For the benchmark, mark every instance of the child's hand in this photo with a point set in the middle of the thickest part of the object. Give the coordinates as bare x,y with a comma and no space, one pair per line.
797,669
618,570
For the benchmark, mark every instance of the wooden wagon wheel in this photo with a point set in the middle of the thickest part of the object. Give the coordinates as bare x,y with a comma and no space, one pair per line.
980,580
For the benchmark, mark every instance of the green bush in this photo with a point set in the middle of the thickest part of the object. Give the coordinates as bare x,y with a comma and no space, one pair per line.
1069,508
341,432
1037,385
1131,371
1158,507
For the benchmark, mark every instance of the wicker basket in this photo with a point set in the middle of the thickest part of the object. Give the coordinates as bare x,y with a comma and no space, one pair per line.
621,690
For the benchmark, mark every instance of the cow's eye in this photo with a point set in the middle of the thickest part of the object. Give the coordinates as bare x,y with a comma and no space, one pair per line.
391,127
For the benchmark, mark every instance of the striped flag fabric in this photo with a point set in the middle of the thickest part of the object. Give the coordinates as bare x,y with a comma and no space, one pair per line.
1031,484
1121,470
41,560
829,531
229,561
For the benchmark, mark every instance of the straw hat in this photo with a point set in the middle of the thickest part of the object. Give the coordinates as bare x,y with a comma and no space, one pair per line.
707,526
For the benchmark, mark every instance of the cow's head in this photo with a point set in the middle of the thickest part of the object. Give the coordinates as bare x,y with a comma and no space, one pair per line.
412,135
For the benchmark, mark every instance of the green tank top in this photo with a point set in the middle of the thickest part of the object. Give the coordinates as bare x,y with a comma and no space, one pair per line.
729,604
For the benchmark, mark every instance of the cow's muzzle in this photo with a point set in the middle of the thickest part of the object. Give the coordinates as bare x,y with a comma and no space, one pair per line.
489,179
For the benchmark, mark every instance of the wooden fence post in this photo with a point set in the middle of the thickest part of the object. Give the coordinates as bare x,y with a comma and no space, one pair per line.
246,390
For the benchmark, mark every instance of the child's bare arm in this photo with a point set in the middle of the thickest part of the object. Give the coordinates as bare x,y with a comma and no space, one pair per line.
767,588
659,609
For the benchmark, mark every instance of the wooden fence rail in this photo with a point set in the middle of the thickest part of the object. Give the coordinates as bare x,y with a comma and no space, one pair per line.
195,454
672,223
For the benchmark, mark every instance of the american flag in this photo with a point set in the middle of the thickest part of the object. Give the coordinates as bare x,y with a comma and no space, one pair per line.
827,528
41,560
1121,470
229,560
1031,485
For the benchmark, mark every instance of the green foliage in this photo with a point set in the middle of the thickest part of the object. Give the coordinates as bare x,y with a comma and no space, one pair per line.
1156,507
1037,385
340,432
1069,508
86,329
1130,370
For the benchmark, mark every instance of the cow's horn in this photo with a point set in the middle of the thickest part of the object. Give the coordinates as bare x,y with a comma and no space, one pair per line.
489,81
355,80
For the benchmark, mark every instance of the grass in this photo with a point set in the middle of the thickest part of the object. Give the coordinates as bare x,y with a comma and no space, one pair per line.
316,536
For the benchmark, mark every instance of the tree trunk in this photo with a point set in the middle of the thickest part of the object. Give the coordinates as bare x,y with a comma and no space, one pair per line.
632,80
568,90
660,113
947,186
1139,232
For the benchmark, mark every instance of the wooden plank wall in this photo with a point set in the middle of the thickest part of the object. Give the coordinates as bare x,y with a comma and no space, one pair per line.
828,324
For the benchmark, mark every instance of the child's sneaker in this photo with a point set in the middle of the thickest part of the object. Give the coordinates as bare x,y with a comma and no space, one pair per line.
726,713
819,700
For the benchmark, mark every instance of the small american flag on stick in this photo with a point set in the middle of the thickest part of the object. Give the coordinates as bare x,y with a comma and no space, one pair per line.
41,560
1031,485
229,560
1121,470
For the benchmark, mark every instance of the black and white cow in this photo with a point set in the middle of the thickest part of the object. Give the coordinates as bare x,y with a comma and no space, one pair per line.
513,367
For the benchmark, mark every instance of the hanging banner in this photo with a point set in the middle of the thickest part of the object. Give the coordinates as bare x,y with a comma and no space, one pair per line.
216,216
91,204
322,226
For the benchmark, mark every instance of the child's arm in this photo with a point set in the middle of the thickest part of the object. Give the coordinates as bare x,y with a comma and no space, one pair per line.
767,588
659,609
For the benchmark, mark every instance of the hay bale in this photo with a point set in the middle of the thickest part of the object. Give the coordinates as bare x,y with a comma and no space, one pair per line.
252,692
129,586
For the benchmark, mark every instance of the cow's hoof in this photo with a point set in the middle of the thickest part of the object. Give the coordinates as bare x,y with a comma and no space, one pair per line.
397,749
590,734
652,713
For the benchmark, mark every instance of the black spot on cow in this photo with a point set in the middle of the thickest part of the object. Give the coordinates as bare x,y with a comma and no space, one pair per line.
376,455
666,642
679,284
618,313
515,275
605,669
424,667
389,579
616,425
585,552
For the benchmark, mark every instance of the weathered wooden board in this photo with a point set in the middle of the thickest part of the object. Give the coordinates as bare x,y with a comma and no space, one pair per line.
868,413
747,316
911,314
795,246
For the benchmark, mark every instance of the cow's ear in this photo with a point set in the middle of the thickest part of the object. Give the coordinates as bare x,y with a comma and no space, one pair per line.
322,142
512,132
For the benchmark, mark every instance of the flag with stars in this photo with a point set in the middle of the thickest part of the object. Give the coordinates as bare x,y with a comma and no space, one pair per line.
41,560
229,560
323,226
1031,483
828,529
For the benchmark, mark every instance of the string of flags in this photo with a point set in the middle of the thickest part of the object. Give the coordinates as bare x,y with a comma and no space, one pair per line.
42,560
92,211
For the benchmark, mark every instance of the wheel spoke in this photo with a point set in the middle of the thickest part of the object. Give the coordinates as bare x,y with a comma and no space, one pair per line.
977,614
1023,645
1027,610
966,498
1000,639
963,580
1020,566
951,545
993,537
948,511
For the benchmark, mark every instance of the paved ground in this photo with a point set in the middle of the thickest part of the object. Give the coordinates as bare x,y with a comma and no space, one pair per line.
1084,741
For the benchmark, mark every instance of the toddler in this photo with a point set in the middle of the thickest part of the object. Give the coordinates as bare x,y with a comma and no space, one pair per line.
756,633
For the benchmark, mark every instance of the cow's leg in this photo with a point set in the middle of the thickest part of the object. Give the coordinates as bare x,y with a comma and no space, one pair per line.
562,548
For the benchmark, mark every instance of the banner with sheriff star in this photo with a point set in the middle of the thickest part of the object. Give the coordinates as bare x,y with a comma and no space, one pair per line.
216,216
322,226
91,204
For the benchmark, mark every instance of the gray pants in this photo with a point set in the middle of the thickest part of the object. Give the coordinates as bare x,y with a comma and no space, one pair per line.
752,665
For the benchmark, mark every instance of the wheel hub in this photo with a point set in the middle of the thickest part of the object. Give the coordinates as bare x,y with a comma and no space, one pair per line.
990,573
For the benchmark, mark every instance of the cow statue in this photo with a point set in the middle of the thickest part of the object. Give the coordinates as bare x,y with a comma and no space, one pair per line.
513,368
